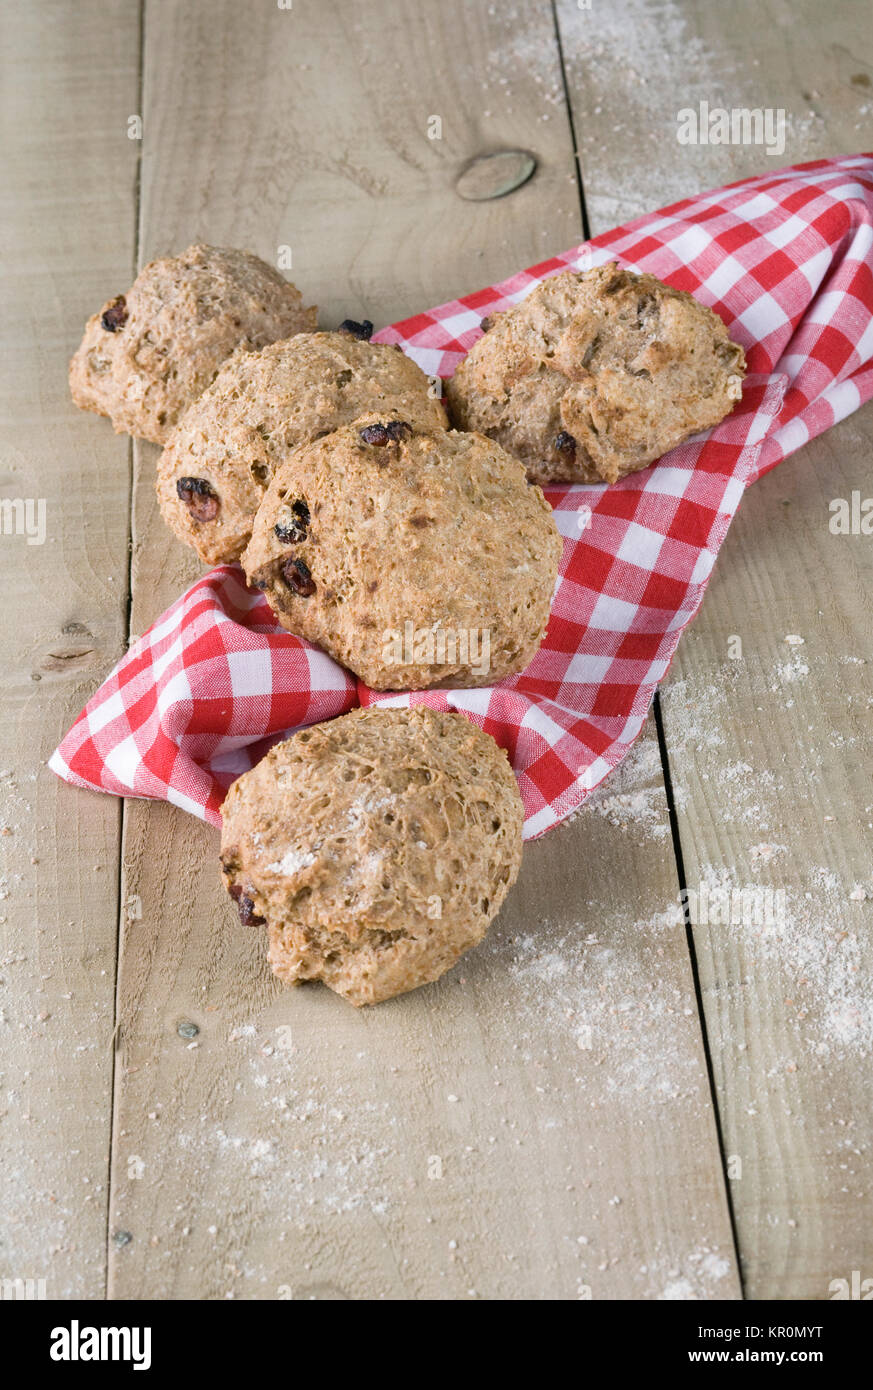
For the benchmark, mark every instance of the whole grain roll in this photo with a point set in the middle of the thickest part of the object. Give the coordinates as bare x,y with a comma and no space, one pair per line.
376,848
597,374
150,352
218,462
415,557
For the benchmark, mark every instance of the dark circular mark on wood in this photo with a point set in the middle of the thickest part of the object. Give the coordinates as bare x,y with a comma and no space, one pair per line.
495,175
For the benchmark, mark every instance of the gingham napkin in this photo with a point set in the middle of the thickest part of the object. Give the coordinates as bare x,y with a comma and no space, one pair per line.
786,261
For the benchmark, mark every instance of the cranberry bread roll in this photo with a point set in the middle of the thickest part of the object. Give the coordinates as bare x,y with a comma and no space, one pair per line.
414,557
596,375
219,461
376,848
150,352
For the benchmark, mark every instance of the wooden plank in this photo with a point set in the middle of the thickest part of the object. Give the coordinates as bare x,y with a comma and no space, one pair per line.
68,213
771,755
631,69
767,751
513,1131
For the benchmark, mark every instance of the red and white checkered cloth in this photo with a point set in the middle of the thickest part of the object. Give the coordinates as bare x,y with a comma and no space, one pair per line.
786,260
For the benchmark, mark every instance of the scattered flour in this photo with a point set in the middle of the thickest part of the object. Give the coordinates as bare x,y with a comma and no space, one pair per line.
810,960
292,862
634,1028
695,1278
765,853
624,799
787,672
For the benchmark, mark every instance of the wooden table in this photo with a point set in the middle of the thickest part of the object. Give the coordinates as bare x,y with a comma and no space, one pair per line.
592,1104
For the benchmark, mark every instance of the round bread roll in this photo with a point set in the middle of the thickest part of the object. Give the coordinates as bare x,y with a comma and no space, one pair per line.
377,848
218,462
597,374
150,352
414,557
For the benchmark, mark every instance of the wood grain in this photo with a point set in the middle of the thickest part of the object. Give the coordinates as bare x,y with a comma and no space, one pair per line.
768,751
631,68
539,1123
776,796
512,1131
68,212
